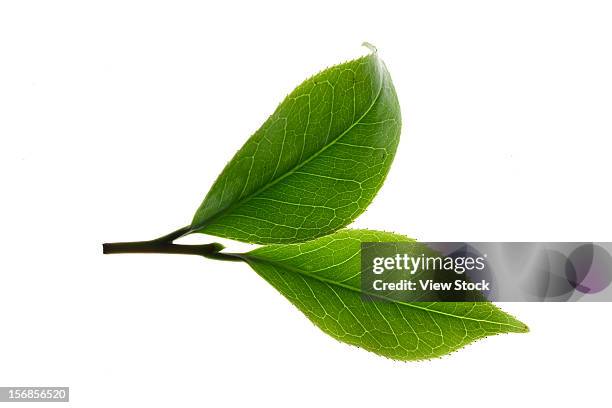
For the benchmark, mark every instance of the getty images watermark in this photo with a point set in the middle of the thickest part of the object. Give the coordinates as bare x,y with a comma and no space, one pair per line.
496,271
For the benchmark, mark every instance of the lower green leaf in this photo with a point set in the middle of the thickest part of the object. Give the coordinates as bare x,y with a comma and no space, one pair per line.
322,279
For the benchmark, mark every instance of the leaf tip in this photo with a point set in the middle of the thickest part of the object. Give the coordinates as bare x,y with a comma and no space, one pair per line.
370,46
517,325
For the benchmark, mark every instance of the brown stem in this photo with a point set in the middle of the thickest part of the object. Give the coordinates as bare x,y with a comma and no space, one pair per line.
164,245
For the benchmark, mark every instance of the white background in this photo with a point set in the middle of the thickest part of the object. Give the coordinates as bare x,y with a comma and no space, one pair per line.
116,117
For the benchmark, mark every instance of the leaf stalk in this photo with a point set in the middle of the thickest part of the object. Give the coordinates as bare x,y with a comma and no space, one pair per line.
165,245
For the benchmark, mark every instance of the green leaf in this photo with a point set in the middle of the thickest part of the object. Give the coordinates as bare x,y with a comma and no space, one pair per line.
322,279
314,165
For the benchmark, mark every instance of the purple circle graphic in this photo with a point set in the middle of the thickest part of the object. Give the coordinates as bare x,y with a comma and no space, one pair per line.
589,269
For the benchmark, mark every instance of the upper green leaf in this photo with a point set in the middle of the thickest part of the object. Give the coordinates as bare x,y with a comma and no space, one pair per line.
314,165
322,279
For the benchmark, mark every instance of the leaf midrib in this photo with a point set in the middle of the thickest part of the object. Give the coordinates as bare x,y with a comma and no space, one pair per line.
222,212
249,256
